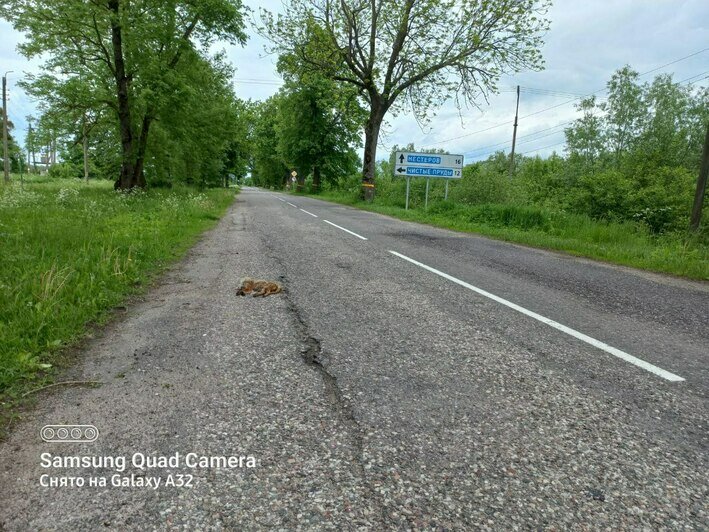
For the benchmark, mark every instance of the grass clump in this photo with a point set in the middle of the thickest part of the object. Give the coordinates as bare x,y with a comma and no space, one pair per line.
626,243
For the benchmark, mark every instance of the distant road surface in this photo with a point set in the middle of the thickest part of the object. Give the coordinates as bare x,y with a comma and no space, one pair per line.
409,378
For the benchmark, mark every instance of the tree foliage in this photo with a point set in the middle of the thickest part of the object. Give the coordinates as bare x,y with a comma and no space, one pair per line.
413,53
130,58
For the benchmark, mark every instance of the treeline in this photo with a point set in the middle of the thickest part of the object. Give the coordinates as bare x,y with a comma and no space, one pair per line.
132,91
633,157
311,127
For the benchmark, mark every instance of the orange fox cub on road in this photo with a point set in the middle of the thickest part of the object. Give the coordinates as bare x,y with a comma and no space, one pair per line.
257,287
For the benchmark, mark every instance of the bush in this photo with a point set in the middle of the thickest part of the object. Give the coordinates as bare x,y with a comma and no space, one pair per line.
481,183
542,182
64,170
521,217
666,200
605,195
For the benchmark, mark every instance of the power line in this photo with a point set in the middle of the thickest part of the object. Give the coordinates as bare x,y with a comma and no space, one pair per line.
545,147
506,142
606,88
675,61
469,134
259,81
692,80
566,102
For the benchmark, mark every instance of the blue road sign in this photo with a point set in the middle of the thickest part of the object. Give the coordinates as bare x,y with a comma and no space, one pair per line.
427,171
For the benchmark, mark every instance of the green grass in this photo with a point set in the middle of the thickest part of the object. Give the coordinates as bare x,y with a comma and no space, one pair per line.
70,252
628,244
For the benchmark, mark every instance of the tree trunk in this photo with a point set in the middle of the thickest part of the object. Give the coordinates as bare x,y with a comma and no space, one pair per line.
316,178
371,137
138,173
127,178
86,152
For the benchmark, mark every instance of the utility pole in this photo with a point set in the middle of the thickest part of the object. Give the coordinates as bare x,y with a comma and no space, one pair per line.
701,186
514,138
6,158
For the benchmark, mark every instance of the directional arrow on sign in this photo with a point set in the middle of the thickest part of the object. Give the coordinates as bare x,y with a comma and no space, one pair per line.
401,170
401,158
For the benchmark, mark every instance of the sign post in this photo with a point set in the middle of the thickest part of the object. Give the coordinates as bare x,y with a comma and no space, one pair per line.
428,165
408,186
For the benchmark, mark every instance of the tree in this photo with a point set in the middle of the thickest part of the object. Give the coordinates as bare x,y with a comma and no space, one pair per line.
626,111
196,125
411,52
239,154
128,51
585,138
318,124
269,168
73,105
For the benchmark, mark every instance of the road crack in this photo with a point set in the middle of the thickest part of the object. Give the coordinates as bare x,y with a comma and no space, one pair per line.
315,357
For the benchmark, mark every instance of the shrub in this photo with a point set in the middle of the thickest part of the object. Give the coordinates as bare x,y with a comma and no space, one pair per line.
603,195
665,202
64,170
517,216
481,183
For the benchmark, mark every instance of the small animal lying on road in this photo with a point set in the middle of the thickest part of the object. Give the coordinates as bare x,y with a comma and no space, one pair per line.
257,287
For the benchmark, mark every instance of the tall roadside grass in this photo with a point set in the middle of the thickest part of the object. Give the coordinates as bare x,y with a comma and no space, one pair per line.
625,243
69,252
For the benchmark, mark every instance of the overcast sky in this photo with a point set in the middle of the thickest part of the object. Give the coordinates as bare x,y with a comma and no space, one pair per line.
587,42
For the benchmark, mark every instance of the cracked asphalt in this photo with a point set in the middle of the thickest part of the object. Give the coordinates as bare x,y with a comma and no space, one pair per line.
377,395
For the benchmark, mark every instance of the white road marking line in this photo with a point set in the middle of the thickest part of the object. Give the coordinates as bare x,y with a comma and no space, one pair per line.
289,203
280,199
310,213
556,325
346,230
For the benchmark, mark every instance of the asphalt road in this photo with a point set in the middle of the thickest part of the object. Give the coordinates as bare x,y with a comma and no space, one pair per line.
458,383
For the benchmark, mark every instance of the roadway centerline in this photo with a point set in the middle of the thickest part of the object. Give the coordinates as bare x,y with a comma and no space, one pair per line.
310,213
556,325
280,199
346,230
291,204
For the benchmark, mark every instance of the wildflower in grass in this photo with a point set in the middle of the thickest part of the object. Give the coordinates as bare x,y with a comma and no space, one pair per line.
66,196
18,197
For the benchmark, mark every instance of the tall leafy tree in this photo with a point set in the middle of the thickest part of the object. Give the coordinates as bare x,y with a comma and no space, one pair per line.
129,49
319,121
269,168
626,111
585,138
413,53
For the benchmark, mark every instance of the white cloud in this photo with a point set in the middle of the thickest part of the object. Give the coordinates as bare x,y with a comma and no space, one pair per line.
587,42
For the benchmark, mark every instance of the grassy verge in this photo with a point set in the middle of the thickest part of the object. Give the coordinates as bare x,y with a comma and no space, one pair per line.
628,244
70,252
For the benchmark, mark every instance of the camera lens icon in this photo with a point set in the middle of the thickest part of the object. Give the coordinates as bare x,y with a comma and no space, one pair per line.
68,433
